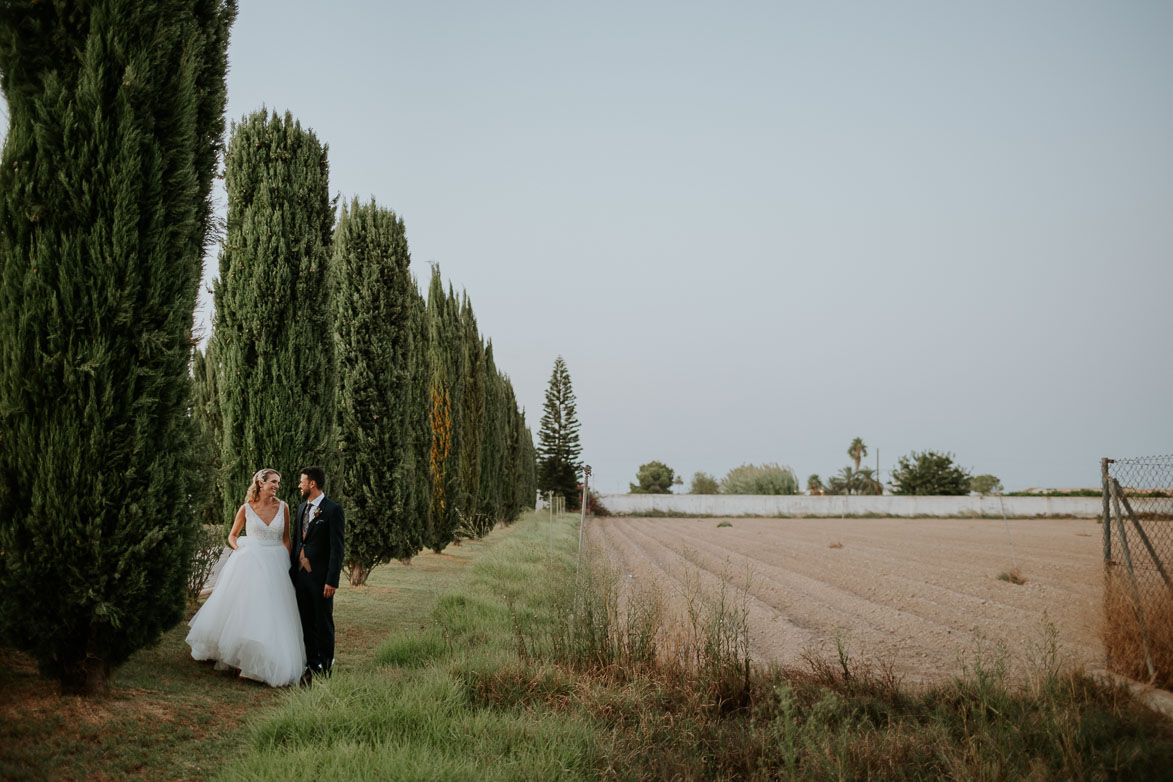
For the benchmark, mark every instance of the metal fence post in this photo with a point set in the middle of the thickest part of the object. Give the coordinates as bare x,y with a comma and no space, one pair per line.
1107,514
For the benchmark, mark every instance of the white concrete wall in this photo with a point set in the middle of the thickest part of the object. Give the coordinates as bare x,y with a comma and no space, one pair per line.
842,505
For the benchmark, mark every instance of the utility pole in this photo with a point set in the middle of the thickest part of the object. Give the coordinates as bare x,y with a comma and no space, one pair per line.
586,476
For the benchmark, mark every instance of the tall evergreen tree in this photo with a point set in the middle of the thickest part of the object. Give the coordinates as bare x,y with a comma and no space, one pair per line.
519,485
207,497
443,451
116,115
472,416
493,444
458,371
419,415
373,343
559,449
272,333
526,488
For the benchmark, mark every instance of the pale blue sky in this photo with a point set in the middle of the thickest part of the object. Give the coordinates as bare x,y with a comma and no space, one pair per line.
758,230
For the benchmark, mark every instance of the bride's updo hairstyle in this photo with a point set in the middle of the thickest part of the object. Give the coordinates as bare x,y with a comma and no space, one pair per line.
259,478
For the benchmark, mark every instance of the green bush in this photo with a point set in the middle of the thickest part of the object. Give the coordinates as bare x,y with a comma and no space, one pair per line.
653,478
766,479
703,483
929,473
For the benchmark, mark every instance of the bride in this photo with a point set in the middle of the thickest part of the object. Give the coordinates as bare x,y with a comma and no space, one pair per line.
250,621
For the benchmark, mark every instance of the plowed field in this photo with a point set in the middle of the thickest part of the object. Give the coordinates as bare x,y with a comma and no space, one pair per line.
916,593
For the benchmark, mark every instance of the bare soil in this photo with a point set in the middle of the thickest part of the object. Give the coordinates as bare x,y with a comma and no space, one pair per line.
919,594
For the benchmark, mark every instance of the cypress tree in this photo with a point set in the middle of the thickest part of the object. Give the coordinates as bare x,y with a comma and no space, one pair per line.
492,443
272,333
442,448
559,449
208,427
457,373
518,484
373,345
116,119
419,417
472,412
527,487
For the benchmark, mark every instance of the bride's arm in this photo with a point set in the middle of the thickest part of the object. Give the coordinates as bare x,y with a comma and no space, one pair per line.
285,532
237,525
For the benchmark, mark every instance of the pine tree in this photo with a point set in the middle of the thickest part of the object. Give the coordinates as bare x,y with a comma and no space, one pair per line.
272,333
116,115
559,449
373,345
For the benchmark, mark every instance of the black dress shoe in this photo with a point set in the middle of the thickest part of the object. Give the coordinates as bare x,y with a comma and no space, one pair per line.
307,678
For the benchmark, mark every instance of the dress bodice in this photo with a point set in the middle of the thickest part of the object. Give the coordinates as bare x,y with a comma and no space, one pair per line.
259,532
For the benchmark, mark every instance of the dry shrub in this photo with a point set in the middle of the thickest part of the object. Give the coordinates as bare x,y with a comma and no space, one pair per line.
1012,575
209,545
848,675
1123,633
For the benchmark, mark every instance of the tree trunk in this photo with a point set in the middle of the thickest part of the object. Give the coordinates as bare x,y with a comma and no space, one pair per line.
87,675
358,575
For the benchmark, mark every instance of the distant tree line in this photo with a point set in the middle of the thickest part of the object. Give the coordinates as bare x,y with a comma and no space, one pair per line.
923,473
658,478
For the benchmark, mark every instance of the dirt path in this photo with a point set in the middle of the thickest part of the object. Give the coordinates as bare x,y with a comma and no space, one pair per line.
915,592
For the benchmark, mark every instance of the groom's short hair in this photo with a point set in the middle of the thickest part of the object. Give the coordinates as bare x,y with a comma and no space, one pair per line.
315,474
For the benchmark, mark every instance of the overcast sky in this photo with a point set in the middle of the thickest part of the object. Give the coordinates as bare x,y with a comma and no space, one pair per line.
758,230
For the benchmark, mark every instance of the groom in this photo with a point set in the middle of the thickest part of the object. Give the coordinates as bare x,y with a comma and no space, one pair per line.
316,562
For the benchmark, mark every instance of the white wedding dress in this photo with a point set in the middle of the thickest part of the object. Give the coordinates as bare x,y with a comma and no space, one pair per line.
250,621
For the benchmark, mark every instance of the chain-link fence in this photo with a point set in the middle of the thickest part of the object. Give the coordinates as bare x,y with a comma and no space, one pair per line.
1138,560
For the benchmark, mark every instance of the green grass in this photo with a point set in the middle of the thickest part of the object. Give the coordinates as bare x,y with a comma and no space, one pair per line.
420,709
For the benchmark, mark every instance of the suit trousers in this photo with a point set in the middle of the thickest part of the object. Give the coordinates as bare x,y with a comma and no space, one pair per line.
317,622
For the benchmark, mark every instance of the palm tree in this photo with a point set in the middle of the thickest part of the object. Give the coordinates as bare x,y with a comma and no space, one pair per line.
845,480
864,482
814,485
857,450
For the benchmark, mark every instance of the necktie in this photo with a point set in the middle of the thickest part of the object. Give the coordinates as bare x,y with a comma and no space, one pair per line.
305,522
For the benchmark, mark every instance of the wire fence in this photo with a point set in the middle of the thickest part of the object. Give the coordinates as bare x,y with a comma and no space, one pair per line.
1138,559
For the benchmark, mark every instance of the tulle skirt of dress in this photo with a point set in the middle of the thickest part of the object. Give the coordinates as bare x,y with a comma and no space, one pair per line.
250,621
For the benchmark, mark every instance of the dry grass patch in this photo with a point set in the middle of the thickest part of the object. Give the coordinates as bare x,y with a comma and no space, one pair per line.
1127,638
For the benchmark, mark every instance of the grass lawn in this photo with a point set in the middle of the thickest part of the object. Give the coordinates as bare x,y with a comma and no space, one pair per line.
170,717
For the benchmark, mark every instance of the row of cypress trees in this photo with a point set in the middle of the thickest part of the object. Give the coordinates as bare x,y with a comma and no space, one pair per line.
324,351
114,443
